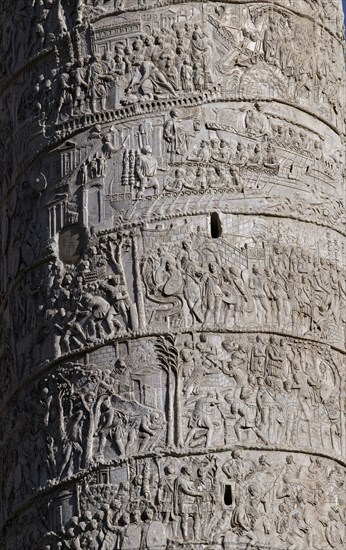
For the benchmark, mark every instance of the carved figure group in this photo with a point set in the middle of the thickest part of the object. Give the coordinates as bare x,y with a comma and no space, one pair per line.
270,392
294,289
248,502
171,351
91,300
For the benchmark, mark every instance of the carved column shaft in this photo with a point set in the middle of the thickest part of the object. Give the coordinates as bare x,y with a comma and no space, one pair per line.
172,275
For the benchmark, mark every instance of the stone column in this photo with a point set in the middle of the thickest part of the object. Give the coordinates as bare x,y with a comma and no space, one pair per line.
172,274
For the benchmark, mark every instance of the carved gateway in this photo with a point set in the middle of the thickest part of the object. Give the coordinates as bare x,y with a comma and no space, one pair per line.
172,275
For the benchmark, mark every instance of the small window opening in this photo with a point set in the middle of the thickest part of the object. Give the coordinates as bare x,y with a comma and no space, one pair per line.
215,225
104,478
227,498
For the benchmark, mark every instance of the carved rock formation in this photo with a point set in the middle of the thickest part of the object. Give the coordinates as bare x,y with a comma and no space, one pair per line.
172,276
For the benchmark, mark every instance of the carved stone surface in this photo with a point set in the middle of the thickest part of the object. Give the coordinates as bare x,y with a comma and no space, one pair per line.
172,275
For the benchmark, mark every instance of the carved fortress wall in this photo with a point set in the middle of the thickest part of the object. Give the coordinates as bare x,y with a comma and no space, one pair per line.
172,275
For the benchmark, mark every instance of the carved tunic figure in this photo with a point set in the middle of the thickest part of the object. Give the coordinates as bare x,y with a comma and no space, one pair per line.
186,503
97,83
147,170
175,136
213,293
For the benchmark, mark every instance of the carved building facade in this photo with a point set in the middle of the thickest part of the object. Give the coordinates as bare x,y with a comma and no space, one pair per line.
172,275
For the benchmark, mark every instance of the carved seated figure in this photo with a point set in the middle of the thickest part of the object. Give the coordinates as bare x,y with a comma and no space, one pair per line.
150,430
151,81
256,160
270,158
178,183
202,154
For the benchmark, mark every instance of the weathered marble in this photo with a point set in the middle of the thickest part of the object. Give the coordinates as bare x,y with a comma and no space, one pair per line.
172,275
